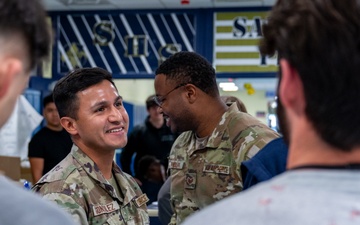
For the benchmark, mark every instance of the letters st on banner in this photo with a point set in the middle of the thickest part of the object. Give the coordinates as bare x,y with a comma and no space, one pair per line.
236,38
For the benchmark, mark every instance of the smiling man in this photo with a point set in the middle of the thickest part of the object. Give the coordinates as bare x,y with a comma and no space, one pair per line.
205,159
87,183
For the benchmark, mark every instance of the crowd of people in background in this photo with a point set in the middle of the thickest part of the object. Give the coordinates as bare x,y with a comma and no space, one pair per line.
196,151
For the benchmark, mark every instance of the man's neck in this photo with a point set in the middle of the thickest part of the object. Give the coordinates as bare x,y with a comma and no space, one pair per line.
103,158
54,128
209,121
156,122
308,148
105,166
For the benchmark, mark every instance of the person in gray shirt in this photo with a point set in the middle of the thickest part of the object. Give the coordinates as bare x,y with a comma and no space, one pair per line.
24,41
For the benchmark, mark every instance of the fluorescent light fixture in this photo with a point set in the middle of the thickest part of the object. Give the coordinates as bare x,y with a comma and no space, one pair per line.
234,88
228,86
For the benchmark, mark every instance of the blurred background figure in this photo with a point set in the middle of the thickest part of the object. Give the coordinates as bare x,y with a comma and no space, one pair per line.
152,138
152,176
50,144
229,100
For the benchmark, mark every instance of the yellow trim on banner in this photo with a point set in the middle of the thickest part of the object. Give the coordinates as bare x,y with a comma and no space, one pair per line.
238,42
270,68
232,15
237,55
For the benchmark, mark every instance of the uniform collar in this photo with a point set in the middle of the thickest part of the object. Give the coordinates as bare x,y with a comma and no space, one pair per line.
216,137
93,171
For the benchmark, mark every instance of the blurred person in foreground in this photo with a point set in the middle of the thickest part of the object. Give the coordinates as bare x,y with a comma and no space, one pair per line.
205,159
87,183
24,42
50,144
317,42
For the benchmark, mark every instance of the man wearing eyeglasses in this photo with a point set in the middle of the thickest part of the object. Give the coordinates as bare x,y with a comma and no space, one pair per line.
205,159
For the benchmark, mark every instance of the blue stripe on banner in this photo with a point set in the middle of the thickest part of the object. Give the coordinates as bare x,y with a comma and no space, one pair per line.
125,43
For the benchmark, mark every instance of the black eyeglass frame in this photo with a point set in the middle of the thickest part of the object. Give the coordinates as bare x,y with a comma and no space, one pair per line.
159,100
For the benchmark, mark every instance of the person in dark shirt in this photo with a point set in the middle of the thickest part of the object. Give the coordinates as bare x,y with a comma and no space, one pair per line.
49,145
152,138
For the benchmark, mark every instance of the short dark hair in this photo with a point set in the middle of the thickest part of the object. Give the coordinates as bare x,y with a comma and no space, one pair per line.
150,102
190,68
26,19
320,39
47,99
66,89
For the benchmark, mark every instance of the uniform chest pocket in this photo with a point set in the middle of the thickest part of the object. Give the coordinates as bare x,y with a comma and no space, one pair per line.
133,215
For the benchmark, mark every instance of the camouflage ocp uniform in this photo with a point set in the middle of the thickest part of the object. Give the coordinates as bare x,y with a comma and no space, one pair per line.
204,171
77,185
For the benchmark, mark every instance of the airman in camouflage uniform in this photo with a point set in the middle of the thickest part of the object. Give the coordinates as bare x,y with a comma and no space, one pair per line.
77,185
87,183
203,172
205,159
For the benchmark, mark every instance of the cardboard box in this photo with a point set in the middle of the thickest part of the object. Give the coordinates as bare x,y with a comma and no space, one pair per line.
26,174
10,166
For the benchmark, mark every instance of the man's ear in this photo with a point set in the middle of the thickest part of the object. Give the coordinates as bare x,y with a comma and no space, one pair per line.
9,69
69,124
191,92
291,88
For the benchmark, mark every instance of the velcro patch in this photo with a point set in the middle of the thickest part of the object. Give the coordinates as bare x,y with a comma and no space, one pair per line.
174,164
108,208
214,168
190,181
141,200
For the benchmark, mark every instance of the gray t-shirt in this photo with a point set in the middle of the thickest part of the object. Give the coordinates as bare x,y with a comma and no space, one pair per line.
298,197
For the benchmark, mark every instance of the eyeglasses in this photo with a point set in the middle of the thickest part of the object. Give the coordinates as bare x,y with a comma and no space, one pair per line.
159,100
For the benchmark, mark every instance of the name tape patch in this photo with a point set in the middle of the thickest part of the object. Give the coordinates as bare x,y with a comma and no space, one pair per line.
108,208
213,168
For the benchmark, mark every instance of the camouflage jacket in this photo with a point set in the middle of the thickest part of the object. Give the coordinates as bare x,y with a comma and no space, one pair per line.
205,172
77,185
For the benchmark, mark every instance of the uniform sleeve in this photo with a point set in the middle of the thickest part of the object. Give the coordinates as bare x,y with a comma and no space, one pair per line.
69,205
173,220
164,206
